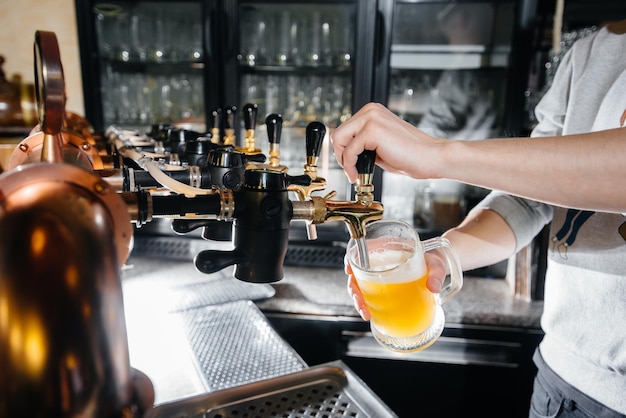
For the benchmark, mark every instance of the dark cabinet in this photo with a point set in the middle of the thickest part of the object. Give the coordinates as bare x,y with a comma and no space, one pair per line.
471,369
171,61
176,61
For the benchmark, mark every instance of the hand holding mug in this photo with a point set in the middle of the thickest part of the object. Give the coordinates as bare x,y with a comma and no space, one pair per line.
394,288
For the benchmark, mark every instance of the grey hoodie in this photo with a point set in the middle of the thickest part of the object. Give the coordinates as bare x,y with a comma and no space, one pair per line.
584,316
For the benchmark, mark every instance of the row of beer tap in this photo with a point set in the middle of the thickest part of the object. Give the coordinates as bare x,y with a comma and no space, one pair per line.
205,181
243,195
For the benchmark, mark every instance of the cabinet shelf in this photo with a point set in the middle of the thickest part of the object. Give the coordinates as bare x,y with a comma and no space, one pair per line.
442,57
296,69
155,67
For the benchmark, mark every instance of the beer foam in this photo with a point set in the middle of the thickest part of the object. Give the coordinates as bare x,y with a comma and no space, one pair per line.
394,266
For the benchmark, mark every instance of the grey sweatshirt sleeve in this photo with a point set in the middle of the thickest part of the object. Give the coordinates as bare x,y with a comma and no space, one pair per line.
525,217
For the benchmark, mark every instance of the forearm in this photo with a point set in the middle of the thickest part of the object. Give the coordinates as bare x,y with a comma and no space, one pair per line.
579,171
482,239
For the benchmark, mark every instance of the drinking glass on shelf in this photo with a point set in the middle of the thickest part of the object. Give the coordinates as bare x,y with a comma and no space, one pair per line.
342,38
192,46
314,52
142,33
109,28
163,34
273,102
283,39
256,36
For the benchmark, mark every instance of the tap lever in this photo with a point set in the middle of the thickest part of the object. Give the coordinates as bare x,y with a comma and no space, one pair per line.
274,124
217,126
230,124
365,162
314,136
268,179
364,187
315,133
185,226
255,158
212,229
303,180
212,261
250,112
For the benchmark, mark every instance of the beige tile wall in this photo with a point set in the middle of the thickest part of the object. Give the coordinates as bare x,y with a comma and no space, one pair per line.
19,20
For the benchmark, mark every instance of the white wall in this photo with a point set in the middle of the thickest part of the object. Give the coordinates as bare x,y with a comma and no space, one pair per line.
19,20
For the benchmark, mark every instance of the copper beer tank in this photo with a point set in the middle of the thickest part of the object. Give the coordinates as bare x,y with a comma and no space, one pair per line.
63,343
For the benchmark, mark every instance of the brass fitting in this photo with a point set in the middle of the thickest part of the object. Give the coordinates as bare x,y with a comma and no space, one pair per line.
355,214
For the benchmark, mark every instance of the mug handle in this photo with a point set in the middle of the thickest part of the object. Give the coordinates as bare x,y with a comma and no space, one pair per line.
454,266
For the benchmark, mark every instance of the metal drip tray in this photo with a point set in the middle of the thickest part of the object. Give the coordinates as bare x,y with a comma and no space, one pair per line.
234,344
329,390
325,255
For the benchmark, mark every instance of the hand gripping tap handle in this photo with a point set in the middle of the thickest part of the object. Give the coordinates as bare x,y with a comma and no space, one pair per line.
365,167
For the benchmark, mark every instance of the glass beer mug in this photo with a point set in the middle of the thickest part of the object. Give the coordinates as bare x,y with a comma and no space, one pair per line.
405,315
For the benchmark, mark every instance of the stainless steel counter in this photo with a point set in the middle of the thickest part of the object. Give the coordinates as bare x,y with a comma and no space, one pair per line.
166,299
208,349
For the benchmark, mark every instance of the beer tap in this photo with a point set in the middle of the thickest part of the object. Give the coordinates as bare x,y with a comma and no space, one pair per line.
274,124
356,214
230,124
216,137
250,112
315,133
260,210
225,168
261,213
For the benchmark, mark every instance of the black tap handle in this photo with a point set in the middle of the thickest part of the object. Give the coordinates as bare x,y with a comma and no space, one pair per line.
255,158
185,226
302,180
230,118
315,132
212,261
365,162
217,119
250,112
274,124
